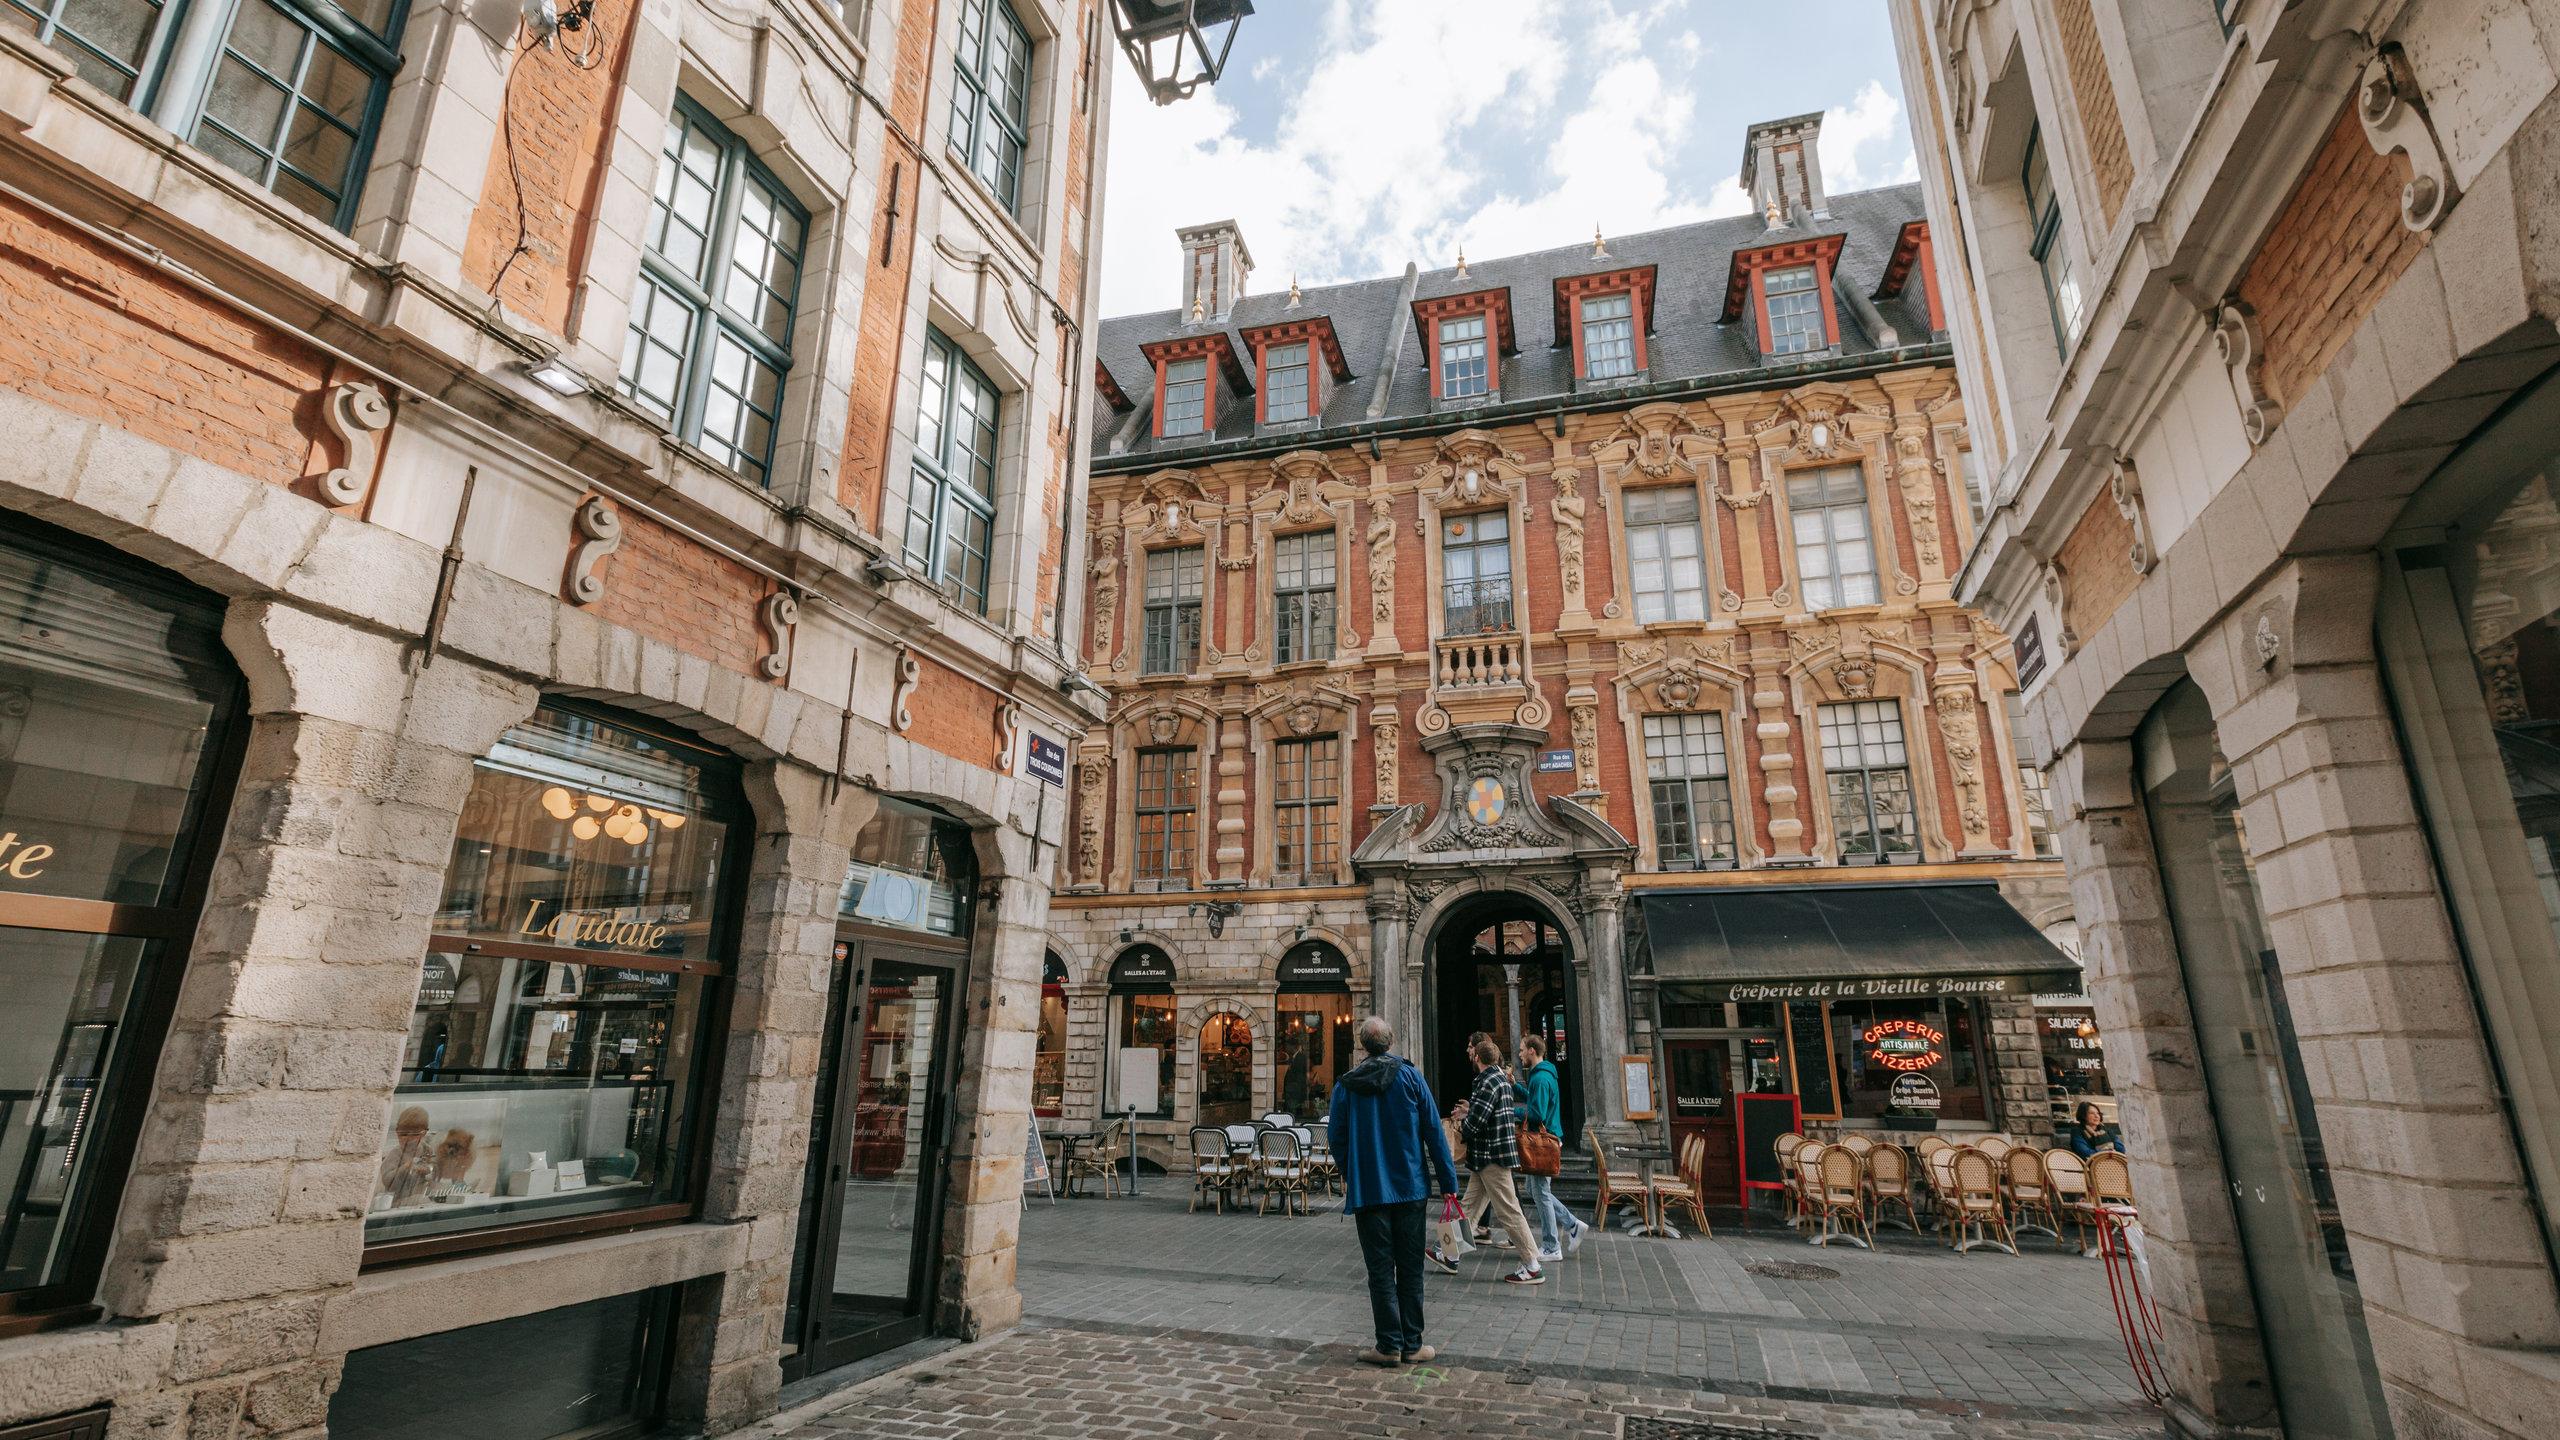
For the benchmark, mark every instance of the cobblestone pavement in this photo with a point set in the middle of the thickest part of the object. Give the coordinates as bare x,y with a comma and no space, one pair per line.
1913,1321
1054,1382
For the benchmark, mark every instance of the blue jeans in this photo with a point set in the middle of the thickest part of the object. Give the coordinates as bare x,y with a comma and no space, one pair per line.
1546,1213
1391,1246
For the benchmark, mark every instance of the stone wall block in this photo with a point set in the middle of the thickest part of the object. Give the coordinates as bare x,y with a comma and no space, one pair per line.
175,1273
122,476
229,1339
291,1399
375,576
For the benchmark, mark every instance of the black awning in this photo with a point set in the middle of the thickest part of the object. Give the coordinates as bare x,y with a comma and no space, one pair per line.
1815,942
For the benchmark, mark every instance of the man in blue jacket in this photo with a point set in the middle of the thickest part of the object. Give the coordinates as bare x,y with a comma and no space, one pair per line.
1385,1136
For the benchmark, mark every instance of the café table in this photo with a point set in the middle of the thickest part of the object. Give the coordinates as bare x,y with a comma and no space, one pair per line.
1068,1140
1646,1157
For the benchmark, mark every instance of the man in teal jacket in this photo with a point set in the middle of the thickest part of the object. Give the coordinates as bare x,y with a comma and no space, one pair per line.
1388,1141
1542,1105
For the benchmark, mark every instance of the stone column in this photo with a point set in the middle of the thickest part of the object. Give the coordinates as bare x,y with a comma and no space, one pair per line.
2429,1183
2217,1370
245,1210
1389,918
1604,1037
728,1364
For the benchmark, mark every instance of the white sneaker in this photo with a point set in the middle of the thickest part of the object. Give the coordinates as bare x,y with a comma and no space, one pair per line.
1549,1257
1573,1241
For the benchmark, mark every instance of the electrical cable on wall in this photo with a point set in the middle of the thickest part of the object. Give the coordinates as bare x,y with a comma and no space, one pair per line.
541,26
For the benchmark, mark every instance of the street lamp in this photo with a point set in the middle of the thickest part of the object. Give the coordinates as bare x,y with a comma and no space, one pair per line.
1156,33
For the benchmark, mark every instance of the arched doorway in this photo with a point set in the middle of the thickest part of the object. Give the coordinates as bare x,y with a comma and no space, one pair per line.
1501,964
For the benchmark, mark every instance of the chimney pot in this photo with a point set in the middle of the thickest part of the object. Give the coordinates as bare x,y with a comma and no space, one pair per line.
1215,265
1782,168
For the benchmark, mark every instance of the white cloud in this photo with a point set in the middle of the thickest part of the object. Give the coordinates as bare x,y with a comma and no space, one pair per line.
1866,143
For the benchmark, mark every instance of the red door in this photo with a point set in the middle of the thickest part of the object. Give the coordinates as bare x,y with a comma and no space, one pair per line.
1702,1104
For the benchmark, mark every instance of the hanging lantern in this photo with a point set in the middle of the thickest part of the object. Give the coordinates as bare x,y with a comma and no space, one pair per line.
559,804
586,828
1178,46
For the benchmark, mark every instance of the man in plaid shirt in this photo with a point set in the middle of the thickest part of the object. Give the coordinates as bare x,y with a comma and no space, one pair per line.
1492,1132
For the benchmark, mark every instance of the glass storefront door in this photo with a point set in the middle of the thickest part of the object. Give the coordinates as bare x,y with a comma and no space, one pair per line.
2310,1310
880,1139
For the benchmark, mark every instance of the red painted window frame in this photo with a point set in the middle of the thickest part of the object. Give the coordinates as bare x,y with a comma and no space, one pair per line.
1748,282
1213,347
1495,306
1635,282
1322,345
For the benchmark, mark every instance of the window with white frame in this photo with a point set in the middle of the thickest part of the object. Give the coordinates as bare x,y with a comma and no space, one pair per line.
287,93
709,344
1692,798
1608,337
1475,573
991,96
1873,815
1976,498
1835,556
1172,614
951,496
1307,800
1464,366
1795,310
2045,242
1186,397
1284,383
1167,812
1666,554
2035,794
1303,585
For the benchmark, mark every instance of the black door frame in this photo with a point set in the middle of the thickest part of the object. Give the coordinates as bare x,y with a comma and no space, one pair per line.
820,1347
1478,910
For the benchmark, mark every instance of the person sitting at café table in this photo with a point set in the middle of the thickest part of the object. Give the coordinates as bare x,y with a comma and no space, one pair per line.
2090,1136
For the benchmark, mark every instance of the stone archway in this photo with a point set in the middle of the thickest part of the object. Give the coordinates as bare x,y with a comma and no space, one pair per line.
1506,963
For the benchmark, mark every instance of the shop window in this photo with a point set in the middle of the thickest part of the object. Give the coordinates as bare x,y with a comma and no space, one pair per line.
1875,1043
2047,245
913,869
1666,558
1168,806
1303,598
1312,1049
596,1368
1835,557
285,92
1286,384
1692,798
709,344
1795,310
991,97
951,497
1226,1071
1608,337
1172,614
1465,365
1307,805
2035,793
2075,1058
1145,1031
551,1072
1475,573
1873,815
1186,398
1049,1050
118,708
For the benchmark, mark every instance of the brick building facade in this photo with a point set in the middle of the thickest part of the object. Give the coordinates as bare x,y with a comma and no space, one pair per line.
1473,637
2255,301
532,566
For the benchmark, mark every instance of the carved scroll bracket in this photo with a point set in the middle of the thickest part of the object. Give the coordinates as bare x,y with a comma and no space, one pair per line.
780,616
356,413
909,672
2235,340
599,532
2395,118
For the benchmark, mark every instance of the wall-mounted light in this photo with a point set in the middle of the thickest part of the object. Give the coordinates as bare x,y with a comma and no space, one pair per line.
552,375
1157,33
1219,912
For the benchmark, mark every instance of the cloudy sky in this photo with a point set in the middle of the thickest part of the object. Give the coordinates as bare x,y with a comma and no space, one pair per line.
1352,135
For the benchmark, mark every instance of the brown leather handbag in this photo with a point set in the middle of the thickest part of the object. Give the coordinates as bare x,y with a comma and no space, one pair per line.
1540,1152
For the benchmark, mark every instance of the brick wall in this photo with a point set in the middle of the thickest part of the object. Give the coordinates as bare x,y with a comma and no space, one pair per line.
673,590
2097,567
2093,93
870,409
954,715
108,338
2333,251
552,147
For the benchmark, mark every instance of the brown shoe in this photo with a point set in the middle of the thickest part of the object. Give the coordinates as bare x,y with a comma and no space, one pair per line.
1423,1356
1378,1357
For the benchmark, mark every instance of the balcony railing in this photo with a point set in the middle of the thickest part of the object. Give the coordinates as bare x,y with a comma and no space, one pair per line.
1471,661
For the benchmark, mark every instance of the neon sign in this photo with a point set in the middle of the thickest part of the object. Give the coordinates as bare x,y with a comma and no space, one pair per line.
1904,1044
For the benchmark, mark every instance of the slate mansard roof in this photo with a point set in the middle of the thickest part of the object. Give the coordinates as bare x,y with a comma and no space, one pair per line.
1688,341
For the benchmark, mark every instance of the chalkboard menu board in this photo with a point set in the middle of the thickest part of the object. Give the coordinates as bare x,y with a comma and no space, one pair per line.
1764,1119
1812,1050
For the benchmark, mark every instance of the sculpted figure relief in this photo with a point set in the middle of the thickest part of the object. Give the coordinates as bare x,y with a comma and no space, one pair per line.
1382,563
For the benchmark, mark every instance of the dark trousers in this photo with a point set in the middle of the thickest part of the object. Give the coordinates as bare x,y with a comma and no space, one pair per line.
1391,1244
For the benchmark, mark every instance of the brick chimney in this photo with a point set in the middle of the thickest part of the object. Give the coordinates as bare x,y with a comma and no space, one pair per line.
1782,166
1215,265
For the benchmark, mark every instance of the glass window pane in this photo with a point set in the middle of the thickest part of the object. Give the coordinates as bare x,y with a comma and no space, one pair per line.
577,1369
106,39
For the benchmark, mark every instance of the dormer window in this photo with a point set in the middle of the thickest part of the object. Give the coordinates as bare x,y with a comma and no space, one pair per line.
1284,382
1186,397
1608,337
1463,368
1795,311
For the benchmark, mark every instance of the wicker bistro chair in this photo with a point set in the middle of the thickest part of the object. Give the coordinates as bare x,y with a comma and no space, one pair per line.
1686,1187
1786,1146
1840,1191
1889,1183
1213,1170
2067,1179
1283,1170
2030,1191
1941,1165
1978,1212
1322,1168
1995,1146
1279,1118
1809,1182
1101,1159
1620,1187
1246,1148
2110,1178
1856,1143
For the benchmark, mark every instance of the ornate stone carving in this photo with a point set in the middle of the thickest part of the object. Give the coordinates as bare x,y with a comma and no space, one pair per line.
1917,477
1106,591
1586,744
1469,468
1382,564
1568,890
2267,640
1821,421
909,672
2235,340
1568,509
1961,728
1856,675
356,413
1092,790
780,617
2124,486
1008,730
1163,726
2057,594
1382,748
599,533
2388,104
1651,440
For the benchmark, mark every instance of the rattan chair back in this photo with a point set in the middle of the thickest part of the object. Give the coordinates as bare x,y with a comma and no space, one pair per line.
1932,1144
1841,1171
1994,1146
2067,1173
1889,1169
1857,1144
2024,1168
2110,1178
1977,1180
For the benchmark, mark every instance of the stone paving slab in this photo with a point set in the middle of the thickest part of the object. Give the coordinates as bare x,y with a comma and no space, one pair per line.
1056,1382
